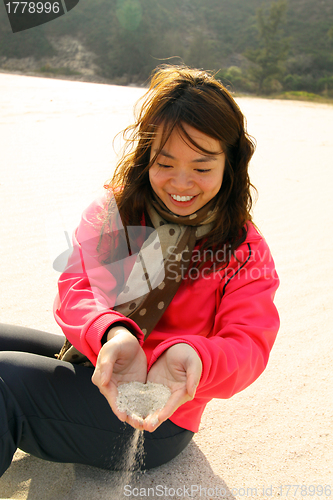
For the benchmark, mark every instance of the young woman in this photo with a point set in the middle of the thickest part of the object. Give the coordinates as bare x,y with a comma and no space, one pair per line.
169,281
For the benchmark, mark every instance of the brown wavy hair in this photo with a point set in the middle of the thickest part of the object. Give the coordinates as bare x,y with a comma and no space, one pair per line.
179,95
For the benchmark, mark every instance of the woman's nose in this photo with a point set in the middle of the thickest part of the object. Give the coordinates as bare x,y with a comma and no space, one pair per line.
181,180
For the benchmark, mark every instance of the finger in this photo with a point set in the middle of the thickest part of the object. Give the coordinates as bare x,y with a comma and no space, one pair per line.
104,366
175,401
102,375
110,392
193,375
96,377
151,422
106,370
136,422
192,384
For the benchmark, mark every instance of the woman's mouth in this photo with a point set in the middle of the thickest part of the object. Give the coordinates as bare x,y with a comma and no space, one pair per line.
176,197
182,201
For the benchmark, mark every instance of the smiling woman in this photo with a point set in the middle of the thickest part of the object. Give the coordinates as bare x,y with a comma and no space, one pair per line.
169,282
181,176
191,111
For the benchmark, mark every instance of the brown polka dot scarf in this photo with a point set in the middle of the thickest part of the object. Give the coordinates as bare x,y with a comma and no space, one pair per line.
158,270
162,263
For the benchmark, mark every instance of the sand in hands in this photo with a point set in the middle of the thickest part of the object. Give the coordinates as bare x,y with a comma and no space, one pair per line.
140,400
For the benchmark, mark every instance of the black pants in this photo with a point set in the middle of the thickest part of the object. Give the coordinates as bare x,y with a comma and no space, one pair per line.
52,410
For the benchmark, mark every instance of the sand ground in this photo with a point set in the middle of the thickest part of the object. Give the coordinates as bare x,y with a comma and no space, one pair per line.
56,152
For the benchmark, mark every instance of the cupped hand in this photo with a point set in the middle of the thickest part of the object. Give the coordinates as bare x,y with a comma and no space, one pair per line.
179,368
120,360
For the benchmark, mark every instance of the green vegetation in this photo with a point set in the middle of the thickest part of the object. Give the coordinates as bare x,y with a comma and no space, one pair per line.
270,56
58,71
254,46
308,96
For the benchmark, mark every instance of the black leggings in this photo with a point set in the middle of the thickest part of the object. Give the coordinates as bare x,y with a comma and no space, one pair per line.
52,410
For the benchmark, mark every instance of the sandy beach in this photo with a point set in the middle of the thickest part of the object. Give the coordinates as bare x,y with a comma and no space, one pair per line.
273,440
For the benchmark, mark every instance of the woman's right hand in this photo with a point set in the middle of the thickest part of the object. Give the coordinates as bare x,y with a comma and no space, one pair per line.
120,360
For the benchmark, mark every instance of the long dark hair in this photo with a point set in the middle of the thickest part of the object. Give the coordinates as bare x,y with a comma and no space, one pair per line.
177,96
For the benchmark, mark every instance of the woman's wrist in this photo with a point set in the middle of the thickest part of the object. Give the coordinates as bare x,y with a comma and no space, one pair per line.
114,330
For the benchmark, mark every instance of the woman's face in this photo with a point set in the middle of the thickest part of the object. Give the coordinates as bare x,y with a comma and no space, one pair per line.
183,178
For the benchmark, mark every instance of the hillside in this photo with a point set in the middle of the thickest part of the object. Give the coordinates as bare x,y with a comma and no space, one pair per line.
123,40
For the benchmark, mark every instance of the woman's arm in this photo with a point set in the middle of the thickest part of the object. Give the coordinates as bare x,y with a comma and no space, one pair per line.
120,360
87,290
236,351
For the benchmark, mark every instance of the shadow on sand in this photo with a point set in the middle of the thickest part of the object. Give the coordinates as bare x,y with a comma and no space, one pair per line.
187,476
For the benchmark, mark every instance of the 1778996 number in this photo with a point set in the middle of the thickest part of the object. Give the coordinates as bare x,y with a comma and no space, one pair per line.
32,7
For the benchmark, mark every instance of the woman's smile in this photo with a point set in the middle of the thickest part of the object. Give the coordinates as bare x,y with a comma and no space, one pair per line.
181,200
184,178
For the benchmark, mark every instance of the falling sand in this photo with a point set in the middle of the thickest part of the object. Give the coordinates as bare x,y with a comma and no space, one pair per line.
138,401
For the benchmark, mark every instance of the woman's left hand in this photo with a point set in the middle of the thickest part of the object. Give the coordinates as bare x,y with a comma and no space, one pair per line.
178,368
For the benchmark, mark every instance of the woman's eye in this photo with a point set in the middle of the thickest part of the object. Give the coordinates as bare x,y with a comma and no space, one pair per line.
164,166
203,170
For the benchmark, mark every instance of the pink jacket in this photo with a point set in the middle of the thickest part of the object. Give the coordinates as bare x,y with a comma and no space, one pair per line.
228,317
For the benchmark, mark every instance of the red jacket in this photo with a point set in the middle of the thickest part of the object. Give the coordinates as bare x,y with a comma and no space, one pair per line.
228,317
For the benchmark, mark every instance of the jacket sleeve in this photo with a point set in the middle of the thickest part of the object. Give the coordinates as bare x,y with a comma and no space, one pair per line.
236,351
87,290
